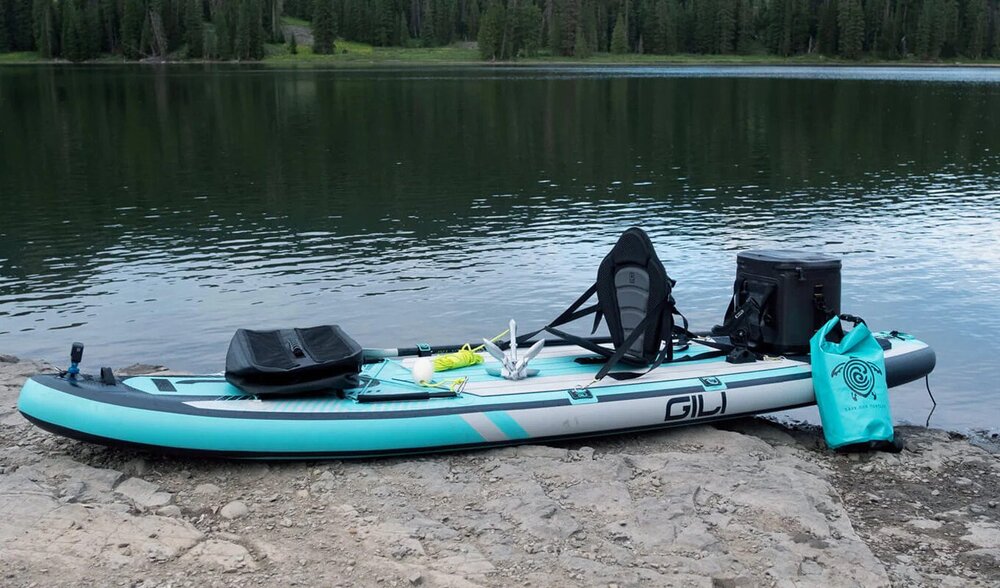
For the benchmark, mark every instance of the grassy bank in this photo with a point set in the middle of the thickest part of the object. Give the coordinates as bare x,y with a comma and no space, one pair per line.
348,54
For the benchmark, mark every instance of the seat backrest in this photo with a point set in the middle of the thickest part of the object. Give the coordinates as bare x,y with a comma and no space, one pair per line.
632,283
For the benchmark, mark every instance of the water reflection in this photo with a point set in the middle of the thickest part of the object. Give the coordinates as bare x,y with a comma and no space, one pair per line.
151,211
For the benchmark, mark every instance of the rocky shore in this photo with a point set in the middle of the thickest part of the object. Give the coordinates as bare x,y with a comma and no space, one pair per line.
749,503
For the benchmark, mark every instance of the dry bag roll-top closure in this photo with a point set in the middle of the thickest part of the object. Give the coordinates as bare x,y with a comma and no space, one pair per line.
293,361
780,299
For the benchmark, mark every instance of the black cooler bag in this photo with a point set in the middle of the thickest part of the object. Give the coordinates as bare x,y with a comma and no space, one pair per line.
293,361
780,299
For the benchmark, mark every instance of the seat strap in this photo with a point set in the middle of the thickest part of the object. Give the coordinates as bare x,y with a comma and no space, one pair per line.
665,354
612,357
570,314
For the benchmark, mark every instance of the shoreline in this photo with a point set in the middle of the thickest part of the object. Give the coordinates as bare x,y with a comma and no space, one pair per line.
742,503
401,59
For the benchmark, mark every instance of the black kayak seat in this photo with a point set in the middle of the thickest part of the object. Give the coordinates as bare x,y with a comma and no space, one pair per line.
632,284
634,299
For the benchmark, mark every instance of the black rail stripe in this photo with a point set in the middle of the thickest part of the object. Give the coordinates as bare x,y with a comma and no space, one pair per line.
285,455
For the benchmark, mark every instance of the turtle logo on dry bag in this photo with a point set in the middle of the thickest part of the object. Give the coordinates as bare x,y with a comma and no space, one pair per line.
859,375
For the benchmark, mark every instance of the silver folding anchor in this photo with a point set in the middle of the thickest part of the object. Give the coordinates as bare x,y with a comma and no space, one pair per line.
512,367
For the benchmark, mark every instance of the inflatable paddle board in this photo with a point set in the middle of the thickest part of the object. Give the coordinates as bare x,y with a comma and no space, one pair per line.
389,414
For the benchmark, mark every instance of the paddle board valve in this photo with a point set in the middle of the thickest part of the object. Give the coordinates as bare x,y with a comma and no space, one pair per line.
75,357
512,367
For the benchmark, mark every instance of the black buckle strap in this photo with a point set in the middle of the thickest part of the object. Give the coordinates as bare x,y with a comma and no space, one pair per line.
613,358
744,323
568,315
665,353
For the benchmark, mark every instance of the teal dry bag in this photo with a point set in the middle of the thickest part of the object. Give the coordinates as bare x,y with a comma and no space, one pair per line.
848,371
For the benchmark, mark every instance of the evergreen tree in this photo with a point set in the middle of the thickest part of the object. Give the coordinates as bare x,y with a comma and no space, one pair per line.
491,31
133,12
996,31
928,34
5,42
619,40
581,48
852,28
91,28
948,26
323,27
444,21
110,29
384,23
271,20
705,25
801,26
827,32
727,25
472,19
528,29
44,26
649,28
507,31
788,30
744,28
886,36
976,28
930,29
71,42
154,40
603,23
564,21
588,22
350,18
669,19
20,24
245,26
194,25
146,41
404,31
255,16
223,39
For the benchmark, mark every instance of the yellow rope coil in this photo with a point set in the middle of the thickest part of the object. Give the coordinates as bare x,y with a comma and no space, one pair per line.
464,357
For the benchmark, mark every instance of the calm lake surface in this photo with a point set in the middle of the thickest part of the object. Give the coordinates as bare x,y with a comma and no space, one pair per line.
151,211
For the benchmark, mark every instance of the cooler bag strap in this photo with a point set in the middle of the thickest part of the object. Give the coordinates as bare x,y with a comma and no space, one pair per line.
748,318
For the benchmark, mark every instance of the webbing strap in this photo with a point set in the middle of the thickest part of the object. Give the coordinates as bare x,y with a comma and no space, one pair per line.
696,357
639,329
612,358
749,317
581,342
568,315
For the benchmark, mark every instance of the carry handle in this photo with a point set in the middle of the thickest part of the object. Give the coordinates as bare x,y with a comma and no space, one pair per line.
836,334
857,320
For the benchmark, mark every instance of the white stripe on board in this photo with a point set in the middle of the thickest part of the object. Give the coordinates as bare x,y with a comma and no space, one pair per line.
484,426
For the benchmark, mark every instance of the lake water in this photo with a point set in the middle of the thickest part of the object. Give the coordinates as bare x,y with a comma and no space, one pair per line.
151,211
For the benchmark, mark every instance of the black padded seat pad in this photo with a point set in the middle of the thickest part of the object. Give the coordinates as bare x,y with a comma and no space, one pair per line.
631,283
293,361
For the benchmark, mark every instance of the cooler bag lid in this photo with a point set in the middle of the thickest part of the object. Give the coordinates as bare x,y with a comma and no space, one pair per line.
790,259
